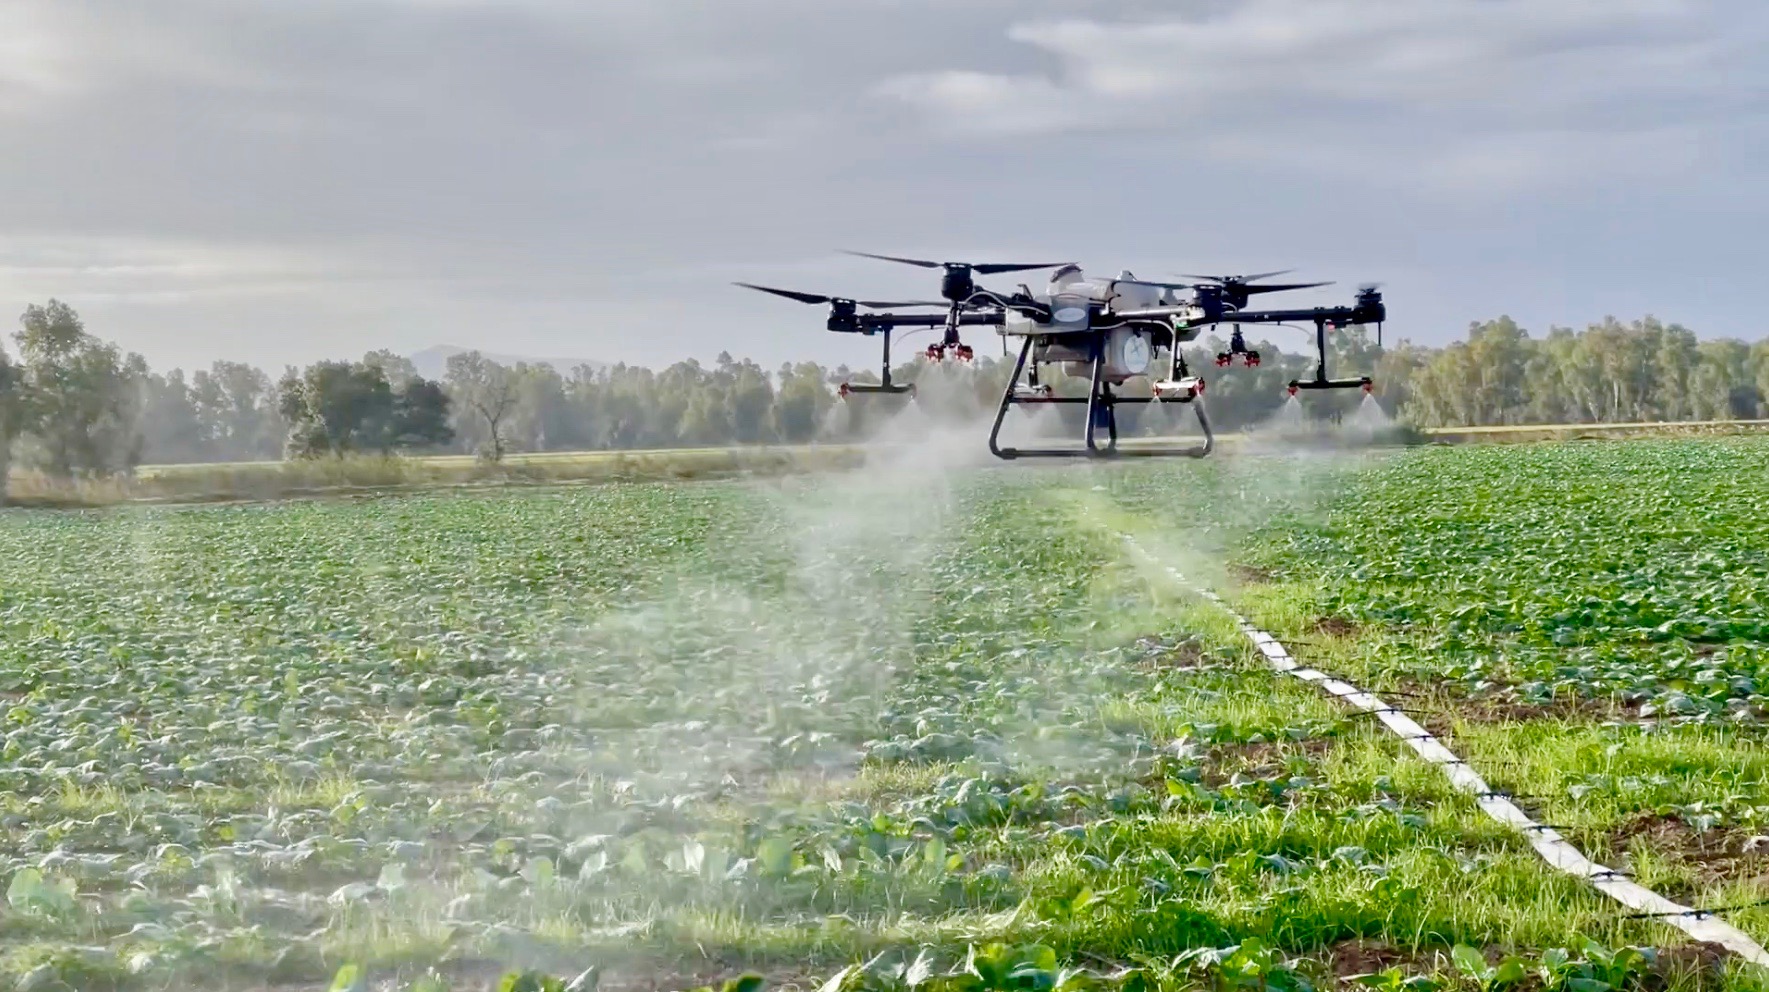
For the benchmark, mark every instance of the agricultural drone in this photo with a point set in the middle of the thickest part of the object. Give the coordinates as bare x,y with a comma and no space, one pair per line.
1107,329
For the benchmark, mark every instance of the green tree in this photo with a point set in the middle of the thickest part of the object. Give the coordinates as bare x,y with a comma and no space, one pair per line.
14,415
334,408
238,408
487,390
172,427
82,397
421,414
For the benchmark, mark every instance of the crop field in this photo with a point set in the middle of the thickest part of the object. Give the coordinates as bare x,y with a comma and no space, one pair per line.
932,727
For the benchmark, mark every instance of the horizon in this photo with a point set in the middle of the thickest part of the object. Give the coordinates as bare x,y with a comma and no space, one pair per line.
430,358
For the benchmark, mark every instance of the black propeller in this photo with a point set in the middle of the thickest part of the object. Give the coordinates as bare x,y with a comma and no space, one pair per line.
814,298
1238,279
1245,284
985,268
959,284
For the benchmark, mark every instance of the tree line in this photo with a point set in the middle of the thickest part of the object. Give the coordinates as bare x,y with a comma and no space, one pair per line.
73,404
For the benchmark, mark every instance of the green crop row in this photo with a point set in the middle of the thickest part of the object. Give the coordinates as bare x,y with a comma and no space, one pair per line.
684,731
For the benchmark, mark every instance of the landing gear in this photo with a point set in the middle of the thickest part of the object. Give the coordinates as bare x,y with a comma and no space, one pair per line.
950,347
1102,417
1320,380
885,385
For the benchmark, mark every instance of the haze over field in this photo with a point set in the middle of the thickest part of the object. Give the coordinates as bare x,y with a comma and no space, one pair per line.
279,182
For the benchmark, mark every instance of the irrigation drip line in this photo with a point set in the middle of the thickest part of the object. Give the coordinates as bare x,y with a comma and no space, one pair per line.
1703,925
1702,914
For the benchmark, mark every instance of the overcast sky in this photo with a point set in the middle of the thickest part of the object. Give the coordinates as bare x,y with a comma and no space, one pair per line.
283,180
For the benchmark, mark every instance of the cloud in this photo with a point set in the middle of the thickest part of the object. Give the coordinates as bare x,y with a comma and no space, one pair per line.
1442,85
52,55
283,180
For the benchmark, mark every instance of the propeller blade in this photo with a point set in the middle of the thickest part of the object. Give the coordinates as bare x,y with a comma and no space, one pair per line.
788,293
987,269
888,305
1369,286
1001,268
1284,287
814,298
892,258
1236,279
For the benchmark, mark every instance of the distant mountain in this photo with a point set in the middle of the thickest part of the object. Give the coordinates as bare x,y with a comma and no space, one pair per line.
432,362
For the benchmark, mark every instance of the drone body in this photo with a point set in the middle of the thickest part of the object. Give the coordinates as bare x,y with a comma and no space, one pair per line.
1107,330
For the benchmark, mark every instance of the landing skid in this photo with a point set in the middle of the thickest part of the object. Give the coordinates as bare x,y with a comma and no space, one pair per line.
867,389
1320,380
1101,405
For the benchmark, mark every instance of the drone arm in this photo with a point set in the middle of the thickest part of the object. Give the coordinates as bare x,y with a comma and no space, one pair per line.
873,323
1333,316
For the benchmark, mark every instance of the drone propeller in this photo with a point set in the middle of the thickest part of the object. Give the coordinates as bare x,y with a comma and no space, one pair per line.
1245,286
1282,287
986,269
1238,279
813,298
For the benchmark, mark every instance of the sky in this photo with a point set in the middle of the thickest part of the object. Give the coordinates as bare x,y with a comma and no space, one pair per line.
280,181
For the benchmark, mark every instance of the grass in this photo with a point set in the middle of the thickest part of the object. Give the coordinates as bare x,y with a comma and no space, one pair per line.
793,724
232,481
1513,433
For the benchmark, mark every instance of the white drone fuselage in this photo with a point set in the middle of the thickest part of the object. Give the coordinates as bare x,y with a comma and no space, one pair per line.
1074,299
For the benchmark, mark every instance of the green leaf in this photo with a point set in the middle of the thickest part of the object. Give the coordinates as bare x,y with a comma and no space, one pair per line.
933,854
1509,972
775,856
24,891
539,872
746,983
349,978
1469,961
